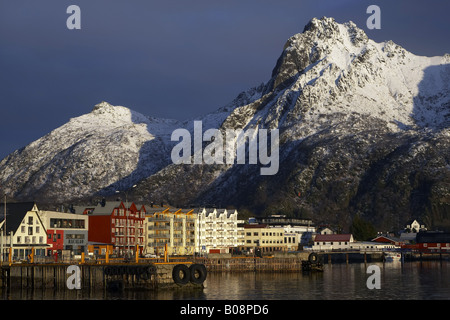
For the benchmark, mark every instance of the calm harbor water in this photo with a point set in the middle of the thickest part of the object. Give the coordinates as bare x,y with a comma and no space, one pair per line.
427,280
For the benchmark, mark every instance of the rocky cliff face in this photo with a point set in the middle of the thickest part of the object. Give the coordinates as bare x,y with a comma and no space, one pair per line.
364,129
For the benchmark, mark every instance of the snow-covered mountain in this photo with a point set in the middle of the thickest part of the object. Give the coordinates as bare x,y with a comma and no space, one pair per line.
364,128
89,153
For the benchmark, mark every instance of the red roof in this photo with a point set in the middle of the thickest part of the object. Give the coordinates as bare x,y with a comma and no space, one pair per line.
333,237
384,239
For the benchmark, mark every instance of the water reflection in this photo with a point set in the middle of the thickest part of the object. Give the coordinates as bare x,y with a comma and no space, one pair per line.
411,280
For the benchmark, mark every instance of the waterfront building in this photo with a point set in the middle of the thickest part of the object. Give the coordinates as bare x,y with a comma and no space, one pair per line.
387,239
218,230
268,239
65,231
21,232
302,229
328,242
117,224
373,246
431,242
171,228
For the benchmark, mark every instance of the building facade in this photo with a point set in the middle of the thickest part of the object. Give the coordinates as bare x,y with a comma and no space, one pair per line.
173,228
268,239
117,224
65,231
328,242
22,232
218,230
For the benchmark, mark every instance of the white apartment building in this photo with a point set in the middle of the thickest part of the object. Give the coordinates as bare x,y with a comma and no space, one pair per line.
171,227
218,231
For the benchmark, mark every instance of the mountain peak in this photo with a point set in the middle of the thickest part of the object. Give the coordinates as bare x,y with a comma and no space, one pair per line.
328,28
318,40
102,105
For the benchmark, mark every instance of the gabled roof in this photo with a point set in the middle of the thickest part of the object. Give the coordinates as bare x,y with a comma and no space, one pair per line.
333,237
105,208
385,239
15,212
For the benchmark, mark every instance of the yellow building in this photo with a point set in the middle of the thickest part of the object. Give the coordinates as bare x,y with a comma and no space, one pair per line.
172,226
268,239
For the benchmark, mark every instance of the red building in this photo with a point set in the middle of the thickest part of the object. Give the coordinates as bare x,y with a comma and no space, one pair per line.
113,223
431,242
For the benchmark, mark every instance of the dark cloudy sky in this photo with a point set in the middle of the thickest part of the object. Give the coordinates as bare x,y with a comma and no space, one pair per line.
168,58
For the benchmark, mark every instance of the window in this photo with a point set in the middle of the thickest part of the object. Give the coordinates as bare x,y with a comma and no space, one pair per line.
18,239
30,220
37,229
30,231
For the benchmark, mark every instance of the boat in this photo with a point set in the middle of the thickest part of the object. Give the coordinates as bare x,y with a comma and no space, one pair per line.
392,256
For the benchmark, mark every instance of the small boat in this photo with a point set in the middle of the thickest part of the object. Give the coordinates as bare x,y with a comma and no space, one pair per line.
390,256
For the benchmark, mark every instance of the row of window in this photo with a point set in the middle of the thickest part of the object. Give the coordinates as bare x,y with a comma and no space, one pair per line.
265,234
67,223
30,230
121,213
131,241
124,222
30,239
331,243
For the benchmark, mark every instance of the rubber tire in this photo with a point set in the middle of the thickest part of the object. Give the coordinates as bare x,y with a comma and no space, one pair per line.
313,258
201,269
151,270
176,274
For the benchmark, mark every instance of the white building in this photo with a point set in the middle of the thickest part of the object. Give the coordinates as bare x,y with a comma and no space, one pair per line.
328,242
173,228
303,234
414,226
22,231
218,230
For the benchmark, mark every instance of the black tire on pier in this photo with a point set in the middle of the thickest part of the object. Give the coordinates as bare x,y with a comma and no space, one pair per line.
198,273
181,274
313,258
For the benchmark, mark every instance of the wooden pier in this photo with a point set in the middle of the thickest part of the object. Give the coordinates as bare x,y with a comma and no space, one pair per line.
103,276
